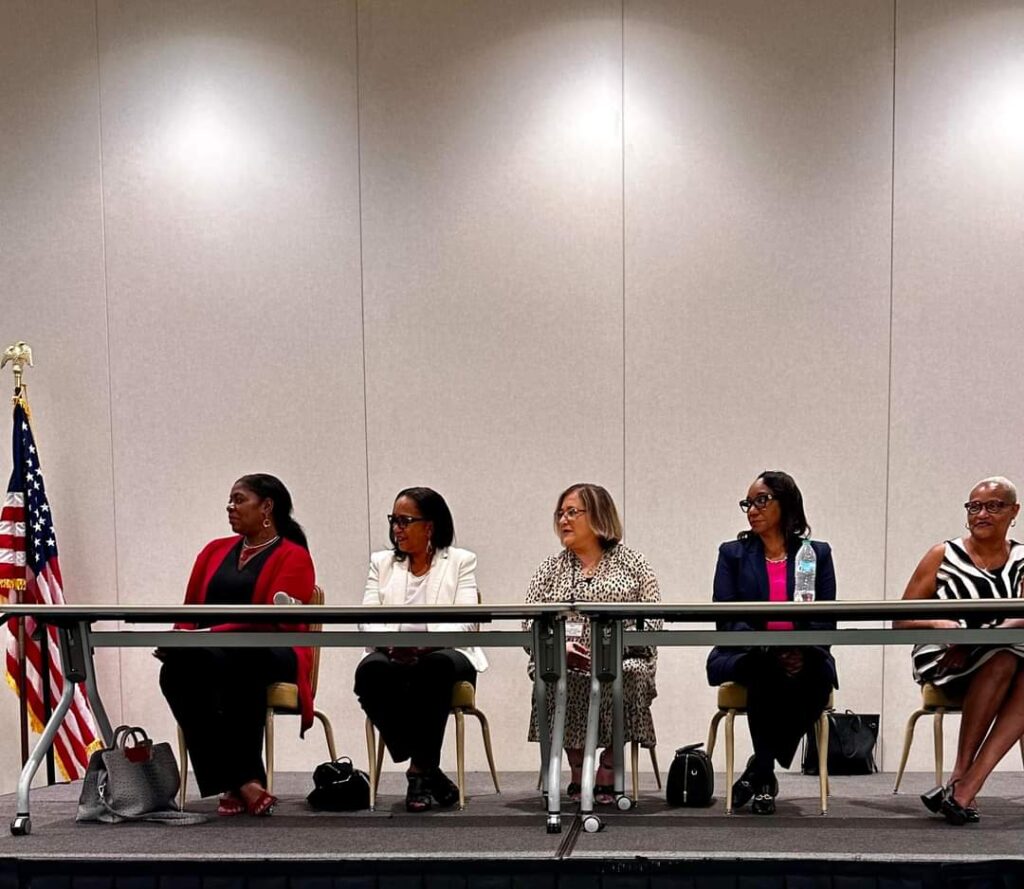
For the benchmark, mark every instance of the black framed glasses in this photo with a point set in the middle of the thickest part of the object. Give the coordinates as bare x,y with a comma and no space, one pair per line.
404,521
760,501
572,513
992,507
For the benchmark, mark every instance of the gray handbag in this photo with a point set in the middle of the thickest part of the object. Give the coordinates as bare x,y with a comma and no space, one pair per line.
132,780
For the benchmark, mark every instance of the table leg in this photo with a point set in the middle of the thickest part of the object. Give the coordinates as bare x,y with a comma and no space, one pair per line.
549,666
92,690
21,825
618,717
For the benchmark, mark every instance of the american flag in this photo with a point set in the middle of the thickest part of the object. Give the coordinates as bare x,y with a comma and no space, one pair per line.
28,564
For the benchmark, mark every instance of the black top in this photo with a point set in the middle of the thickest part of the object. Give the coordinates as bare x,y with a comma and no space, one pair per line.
231,585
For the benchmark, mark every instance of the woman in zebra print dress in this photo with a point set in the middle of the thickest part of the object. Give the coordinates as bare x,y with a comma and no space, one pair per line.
985,564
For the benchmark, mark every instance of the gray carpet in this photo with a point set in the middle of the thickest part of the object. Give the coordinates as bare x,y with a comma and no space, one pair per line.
865,822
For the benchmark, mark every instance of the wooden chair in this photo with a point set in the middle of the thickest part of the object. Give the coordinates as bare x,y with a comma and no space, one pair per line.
935,702
463,704
732,702
282,699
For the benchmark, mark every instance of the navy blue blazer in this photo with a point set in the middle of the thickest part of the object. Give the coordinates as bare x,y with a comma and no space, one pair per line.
741,576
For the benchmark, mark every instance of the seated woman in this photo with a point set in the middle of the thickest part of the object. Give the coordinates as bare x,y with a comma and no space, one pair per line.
594,566
787,688
407,692
982,565
219,695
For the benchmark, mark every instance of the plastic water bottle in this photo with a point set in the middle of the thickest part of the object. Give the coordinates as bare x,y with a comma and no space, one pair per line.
806,568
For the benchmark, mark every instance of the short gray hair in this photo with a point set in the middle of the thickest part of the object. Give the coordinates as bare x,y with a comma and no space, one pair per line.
999,481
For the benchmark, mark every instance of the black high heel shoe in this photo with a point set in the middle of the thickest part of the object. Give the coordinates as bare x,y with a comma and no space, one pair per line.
933,799
951,810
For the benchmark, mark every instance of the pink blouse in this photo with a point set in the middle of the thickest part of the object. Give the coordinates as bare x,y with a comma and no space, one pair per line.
777,592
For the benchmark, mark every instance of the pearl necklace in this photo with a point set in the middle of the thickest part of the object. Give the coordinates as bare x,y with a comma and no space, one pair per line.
776,561
252,547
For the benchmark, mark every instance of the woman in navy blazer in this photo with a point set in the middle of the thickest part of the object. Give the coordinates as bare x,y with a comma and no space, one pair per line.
787,688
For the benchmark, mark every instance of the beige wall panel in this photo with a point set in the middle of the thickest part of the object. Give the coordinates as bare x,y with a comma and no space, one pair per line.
757,210
958,255
51,265
491,184
231,179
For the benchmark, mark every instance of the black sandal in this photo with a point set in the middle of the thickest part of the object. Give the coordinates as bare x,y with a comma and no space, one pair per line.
417,795
444,790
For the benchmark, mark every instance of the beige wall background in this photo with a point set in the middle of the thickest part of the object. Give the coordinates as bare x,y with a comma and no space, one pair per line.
497,248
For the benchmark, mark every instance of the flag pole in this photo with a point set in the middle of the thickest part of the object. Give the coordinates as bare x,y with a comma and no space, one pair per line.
20,354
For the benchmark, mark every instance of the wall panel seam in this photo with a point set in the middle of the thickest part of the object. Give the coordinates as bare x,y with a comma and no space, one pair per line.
888,399
106,322
362,291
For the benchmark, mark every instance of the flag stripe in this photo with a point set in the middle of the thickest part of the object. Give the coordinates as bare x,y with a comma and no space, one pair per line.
29,562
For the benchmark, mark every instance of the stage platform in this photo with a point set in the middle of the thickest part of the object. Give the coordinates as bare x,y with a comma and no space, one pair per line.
869,838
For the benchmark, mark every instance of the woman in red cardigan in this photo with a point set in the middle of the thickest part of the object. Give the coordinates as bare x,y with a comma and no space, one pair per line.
219,695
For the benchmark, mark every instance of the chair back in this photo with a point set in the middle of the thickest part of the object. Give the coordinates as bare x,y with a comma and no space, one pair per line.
314,667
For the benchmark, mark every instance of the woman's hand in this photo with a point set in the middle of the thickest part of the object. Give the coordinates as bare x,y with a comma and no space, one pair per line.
577,656
954,658
792,660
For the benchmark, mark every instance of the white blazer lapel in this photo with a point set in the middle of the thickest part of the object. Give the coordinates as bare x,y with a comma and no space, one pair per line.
397,584
437,575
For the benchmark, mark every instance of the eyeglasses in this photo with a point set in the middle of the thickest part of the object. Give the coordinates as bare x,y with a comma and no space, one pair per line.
760,501
992,507
404,521
571,513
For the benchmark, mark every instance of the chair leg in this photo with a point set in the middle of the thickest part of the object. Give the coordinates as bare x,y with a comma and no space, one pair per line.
328,733
269,736
937,735
713,731
380,756
371,758
634,759
183,760
823,760
908,739
657,771
485,729
730,752
460,754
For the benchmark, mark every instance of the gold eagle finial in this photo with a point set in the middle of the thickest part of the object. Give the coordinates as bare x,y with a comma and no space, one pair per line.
18,356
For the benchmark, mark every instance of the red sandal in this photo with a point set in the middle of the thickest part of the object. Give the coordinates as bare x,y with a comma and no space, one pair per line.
230,805
263,805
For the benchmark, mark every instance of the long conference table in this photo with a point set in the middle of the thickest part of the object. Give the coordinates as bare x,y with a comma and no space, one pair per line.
615,627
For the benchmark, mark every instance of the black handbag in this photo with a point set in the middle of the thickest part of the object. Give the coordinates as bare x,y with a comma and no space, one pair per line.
339,787
851,745
691,778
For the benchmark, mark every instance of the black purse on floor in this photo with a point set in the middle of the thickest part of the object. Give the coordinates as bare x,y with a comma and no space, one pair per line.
691,778
340,787
851,745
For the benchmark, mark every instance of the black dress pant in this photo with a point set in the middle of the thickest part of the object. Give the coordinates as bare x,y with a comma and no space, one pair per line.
409,703
219,698
781,708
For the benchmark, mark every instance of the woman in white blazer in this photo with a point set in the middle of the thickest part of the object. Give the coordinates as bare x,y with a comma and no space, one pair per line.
407,692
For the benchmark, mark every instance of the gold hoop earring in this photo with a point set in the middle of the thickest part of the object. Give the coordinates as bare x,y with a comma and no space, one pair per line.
266,523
